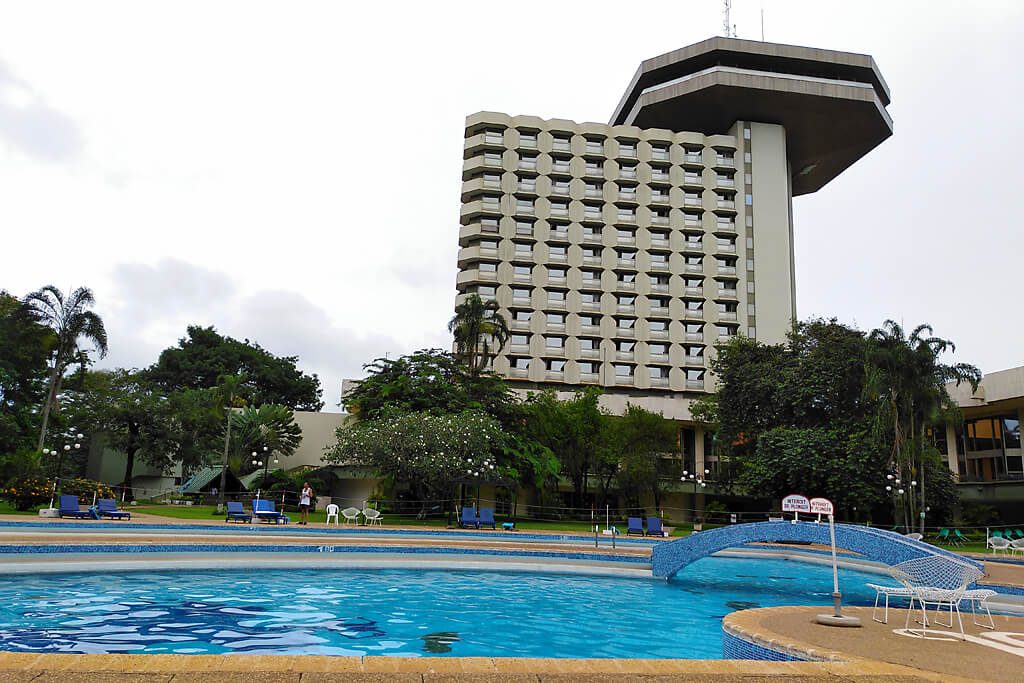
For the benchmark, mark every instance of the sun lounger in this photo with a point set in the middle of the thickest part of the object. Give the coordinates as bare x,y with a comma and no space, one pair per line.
237,513
654,527
468,520
107,507
264,509
487,518
69,508
634,526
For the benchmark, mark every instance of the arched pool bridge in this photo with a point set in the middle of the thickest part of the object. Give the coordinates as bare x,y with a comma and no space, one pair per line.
877,545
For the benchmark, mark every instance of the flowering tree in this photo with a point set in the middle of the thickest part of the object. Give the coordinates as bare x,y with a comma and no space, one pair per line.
431,452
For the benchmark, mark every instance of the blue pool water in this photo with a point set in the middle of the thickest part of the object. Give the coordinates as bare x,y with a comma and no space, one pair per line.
403,612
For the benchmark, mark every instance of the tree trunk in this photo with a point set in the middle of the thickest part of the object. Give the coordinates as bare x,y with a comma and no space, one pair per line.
51,395
224,466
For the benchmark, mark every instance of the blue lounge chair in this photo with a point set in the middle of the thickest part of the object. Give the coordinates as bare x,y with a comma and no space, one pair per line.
69,508
468,519
654,526
487,518
237,513
264,509
635,526
107,507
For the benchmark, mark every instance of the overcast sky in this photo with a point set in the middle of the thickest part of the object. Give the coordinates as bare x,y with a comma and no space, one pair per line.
290,172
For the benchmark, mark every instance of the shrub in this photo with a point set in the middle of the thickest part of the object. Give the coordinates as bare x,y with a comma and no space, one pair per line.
24,493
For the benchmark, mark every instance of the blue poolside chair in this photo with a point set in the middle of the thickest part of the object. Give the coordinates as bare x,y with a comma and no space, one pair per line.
1017,533
635,526
468,519
996,533
107,507
264,509
237,513
69,508
487,518
654,527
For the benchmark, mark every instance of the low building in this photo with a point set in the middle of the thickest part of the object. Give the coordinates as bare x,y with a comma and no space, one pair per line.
984,448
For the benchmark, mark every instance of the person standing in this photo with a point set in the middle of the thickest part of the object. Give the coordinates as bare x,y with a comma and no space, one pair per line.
305,501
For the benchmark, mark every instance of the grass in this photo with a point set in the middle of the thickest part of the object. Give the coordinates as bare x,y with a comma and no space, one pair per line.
6,509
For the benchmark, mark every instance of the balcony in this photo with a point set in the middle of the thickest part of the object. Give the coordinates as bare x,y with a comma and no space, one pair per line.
628,332
693,336
554,374
624,355
528,164
727,316
593,306
691,221
657,357
726,270
527,142
725,226
625,217
659,310
659,220
660,175
727,293
590,329
520,325
521,301
660,266
519,348
627,153
593,192
726,182
625,286
625,240
494,138
557,258
659,155
589,377
693,314
627,197
725,248
559,233
556,304
624,381
519,372
559,210
522,209
655,287
522,277
725,161
559,190
627,263
690,200
729,204
595,148
592,260
693,361
694,384
560,145
693,245
627,173
555,279
693,179
659,381
694,291
693,158
526,188
591,215
625,308
590,353
593,171
693,267
660,198
560,166
659,242
591,237
658,334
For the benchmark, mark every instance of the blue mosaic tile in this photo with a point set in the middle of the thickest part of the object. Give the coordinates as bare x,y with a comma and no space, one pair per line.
734,647
879,545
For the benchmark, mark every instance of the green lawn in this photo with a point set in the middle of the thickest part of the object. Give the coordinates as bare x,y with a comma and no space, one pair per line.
6,509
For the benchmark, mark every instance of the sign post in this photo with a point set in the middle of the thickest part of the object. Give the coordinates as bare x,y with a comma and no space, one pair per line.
823,506
796,504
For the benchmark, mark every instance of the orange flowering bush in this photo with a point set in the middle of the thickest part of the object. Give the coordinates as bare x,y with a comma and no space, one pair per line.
24,493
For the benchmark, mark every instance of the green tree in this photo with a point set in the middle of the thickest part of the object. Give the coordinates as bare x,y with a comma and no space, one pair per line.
430,380
907,380
24,349
432,452
230,393
477,325
134,416
571,429
640,438
71,323
271,427
204,357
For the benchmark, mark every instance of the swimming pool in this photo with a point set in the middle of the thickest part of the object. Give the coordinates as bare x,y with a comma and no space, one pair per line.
404,612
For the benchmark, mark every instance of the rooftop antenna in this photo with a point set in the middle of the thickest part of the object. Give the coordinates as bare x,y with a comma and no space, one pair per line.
728,28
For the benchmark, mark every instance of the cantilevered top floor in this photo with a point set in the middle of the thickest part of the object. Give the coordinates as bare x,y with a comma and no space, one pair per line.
832,104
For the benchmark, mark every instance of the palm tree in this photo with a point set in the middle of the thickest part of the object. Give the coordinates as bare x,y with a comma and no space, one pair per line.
476,325
907,378
269,426
227,393
70,322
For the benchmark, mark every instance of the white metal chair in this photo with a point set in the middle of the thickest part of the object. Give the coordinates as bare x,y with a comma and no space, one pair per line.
887,591
1017,546
332,511
351,515
999,544
915,536
978,597
940,582
372,516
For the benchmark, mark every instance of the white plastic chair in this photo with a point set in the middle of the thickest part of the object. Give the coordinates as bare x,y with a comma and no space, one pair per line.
372,516
332,511
351,515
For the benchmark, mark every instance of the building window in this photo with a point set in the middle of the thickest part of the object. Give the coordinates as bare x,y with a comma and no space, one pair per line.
521,315
590,321
587,367
556,318
555,365
554,342
524,206
556,295
658,372
623,346
524,228
519,363
622,370
589,344
559,209
519,340
657,349
557,273
658,325
520,293
485,292
590,297
625,300
528,140
557,250
627,278
488,267
522,270
625,323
